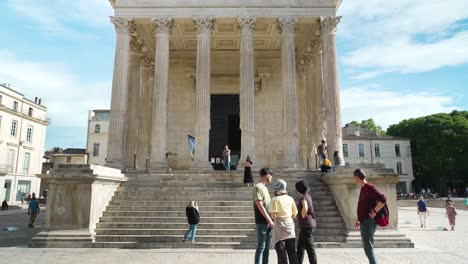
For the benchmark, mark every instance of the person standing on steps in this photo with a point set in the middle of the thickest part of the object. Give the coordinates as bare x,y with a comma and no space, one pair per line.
307,223
227,158
370,202
193,218
33,210
248,179
283,210
263,222
322,150
422,210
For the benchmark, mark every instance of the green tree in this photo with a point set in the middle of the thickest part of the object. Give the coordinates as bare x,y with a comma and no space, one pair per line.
370,125
439,145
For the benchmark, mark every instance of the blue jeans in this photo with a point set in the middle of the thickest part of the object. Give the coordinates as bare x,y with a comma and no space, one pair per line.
368,227
227,165
192,231
263,244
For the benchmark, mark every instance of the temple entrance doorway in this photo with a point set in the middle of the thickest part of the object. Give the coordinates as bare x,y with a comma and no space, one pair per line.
225,128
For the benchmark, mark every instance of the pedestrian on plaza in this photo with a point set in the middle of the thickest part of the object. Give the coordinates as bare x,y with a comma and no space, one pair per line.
422,211
263,222
450,213
326,165
321,150
248,179
193,218
370,202
227,158
4,205
33,210
307,223
283,210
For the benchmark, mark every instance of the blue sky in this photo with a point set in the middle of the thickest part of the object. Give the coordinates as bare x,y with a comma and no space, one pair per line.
398,59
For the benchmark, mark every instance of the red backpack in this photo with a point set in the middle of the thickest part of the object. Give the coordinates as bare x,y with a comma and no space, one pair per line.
382,217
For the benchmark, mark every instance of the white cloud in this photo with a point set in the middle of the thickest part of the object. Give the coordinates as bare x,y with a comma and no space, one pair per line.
67,97
403,35
390,107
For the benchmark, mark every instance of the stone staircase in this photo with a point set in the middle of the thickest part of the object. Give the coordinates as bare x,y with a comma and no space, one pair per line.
148,211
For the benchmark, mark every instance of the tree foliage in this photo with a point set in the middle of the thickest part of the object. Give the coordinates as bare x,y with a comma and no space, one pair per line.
370,125
439,145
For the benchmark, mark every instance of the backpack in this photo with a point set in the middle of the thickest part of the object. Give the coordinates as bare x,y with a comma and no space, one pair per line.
382,217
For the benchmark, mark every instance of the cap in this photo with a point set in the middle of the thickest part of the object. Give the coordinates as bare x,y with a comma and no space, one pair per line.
280,186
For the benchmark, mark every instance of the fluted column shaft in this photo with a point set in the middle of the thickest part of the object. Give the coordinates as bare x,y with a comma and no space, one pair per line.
162,28
133,100
144,110
115,149
203,100
331,84
247,88
289,98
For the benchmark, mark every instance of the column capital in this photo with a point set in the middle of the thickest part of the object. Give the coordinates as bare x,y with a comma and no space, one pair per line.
287,25
123,25
328,25
246,24
162,25
204,25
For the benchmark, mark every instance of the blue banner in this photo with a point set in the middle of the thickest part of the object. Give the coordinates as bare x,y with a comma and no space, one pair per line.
191,143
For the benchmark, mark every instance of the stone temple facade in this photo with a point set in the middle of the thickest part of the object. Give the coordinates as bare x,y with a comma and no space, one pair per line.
179,64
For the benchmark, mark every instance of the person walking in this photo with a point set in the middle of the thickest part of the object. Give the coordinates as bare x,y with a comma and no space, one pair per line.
307,224
450,213
322,150
370,202
283,210
33,210
248,179
193,217
227,158
422,211
263,222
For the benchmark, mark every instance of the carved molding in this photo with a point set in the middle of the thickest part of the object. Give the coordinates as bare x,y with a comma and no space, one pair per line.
136,45
123,25
204,25
246,24
287,25
162,25
328,25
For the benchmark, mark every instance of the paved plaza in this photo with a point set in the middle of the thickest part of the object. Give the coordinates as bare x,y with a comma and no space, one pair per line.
432,246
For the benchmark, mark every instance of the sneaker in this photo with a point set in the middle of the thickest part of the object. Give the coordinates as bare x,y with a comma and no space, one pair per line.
184,240
421,225
194,242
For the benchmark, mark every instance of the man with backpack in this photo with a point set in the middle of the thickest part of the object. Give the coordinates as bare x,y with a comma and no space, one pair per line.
371,203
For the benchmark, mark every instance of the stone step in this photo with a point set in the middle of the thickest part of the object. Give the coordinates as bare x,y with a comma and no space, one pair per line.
173,238
201,231
183,219
202,197
197,187
172,225
181,213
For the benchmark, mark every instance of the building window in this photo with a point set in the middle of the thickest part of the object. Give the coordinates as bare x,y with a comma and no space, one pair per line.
361,151
29,134
97,129
377,150
68,159
397,150
399,168
30,111
14,128
15,106
27,158
345,150
11,160
96,150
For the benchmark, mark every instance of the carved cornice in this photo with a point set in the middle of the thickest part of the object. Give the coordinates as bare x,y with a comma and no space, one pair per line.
204,25
162,25
287,25
246,24
123,25
328,25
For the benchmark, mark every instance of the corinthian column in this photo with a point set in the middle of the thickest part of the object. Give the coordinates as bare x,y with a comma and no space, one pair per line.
203,123
115,149
133,101
162,29
290,124
331,85
247,88
144,112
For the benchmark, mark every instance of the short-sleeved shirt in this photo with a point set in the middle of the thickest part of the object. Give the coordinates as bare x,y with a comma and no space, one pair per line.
283,206
34,206
309,220
260,193
422,207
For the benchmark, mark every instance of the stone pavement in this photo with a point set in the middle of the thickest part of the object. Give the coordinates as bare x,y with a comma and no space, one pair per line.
432,246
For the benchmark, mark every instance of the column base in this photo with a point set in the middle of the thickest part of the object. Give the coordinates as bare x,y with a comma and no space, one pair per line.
158,167
116,164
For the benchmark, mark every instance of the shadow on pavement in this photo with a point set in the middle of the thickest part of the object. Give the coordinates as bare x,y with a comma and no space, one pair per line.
19,219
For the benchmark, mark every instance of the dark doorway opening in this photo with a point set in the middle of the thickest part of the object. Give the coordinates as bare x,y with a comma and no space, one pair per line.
225,121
